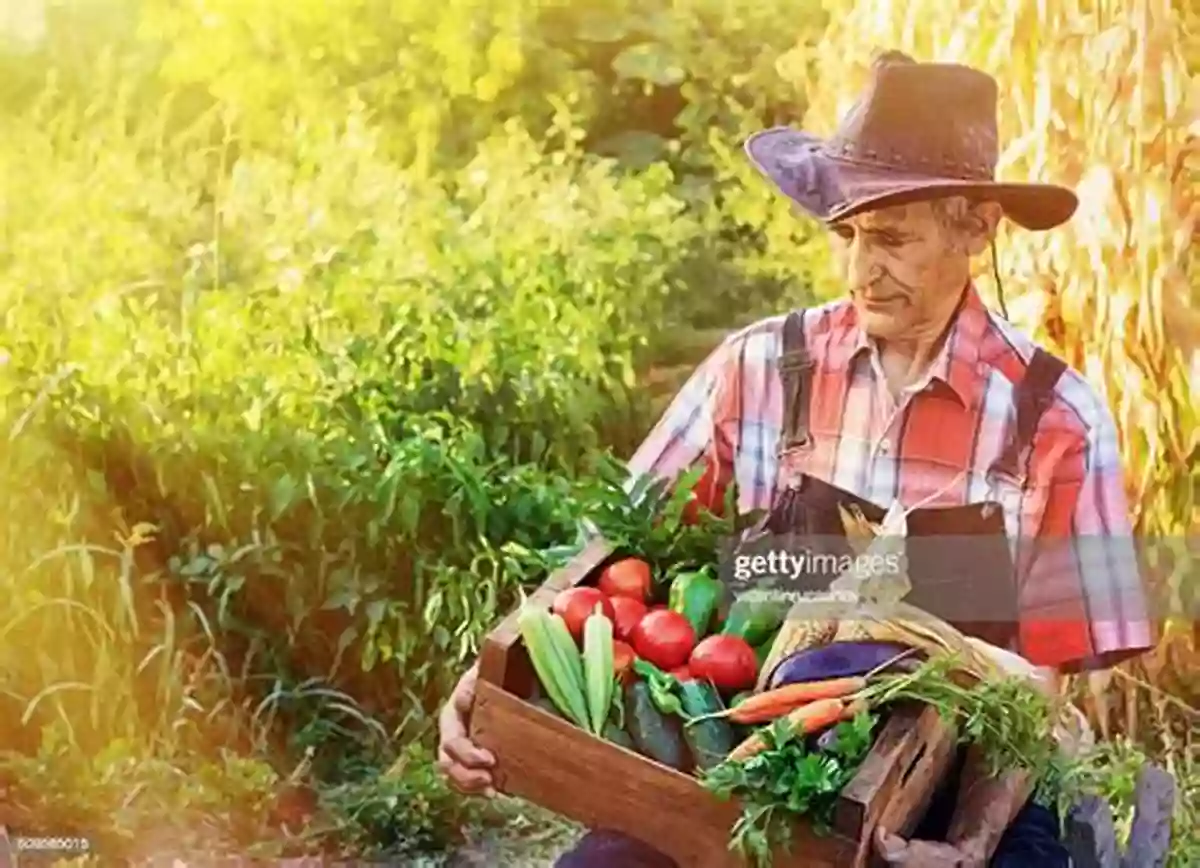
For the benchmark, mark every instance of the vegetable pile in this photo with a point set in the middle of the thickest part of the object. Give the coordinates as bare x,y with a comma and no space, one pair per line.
651,676
753,697
676,683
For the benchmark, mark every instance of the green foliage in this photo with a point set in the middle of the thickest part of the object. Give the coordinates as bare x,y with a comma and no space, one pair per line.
789,780
313,317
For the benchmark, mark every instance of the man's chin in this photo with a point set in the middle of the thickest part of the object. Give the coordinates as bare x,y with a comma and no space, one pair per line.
882,324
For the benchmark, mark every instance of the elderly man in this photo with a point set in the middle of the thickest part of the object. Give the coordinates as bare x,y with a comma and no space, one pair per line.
911,390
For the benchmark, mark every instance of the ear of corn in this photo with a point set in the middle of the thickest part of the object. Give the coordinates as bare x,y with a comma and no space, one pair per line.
598,668
908,625
557,666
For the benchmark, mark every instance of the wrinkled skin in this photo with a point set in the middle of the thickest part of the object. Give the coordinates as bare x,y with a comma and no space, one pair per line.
467,766
906,268
895,851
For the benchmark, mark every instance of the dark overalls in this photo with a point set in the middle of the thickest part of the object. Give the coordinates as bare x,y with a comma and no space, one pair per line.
808,507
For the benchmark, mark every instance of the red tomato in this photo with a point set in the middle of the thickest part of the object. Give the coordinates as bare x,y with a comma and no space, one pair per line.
623,658
727,661
627,612
683,673
664,638
577,604
627,578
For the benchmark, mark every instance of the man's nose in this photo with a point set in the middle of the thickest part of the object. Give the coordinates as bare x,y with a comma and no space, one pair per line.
862,268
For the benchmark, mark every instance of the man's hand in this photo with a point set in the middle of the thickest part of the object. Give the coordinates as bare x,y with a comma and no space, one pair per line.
897,852
467,766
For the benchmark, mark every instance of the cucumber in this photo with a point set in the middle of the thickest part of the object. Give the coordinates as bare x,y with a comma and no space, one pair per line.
654,736
616,735
709,741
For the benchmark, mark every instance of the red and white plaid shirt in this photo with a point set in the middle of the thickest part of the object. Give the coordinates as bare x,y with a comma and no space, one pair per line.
1085,610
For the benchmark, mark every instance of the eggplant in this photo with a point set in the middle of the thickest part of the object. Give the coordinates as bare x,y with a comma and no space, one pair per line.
840,660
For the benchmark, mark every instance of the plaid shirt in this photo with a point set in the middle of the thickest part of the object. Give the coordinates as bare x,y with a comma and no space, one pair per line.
1080,599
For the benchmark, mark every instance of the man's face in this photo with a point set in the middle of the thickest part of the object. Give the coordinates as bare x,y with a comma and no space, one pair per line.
906,267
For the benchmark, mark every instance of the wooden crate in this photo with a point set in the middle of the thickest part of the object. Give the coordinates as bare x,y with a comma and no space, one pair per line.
550,762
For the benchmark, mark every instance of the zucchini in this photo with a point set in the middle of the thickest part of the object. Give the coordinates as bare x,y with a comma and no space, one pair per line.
709,741
654,735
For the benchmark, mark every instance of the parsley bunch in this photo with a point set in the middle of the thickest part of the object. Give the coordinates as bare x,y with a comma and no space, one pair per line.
787,781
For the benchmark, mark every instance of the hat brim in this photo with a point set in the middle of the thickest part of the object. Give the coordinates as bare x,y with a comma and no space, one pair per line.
833,190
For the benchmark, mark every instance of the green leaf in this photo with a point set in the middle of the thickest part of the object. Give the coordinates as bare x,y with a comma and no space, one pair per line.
650,62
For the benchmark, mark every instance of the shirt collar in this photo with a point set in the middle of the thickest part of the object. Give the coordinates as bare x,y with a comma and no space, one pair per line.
957,365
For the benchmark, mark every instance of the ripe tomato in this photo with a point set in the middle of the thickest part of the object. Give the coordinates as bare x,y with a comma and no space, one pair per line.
664,638
728,661
629,577
627,612
577,604
623,658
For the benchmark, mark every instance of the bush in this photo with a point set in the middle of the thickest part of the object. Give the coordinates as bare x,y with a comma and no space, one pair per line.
291,448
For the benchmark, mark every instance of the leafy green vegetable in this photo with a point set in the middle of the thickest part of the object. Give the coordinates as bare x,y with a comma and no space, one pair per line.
646,517
788,781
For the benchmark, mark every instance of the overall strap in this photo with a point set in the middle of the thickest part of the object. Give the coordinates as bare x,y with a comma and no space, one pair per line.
795,367
1033,397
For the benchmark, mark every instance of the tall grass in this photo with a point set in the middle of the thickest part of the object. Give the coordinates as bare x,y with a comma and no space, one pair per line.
1101,95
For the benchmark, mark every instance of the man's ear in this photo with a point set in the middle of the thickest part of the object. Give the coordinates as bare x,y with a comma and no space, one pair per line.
981,226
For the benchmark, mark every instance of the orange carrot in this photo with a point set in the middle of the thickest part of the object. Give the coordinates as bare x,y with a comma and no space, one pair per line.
804,720
770,704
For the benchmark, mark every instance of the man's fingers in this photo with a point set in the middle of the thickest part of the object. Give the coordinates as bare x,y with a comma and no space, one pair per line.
472,782
890,846
464,778
465,753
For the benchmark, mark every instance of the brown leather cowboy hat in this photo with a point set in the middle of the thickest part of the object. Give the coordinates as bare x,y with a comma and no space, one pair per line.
920,131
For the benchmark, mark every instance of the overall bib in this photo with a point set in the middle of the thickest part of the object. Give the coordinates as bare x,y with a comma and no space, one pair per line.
940,575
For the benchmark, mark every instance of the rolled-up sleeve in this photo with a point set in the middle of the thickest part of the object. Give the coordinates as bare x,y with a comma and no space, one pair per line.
693,431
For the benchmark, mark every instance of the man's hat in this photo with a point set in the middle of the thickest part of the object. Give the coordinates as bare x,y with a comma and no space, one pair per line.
920,131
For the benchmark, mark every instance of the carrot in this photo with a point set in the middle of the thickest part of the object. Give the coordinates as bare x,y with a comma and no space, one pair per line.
770,704
804,720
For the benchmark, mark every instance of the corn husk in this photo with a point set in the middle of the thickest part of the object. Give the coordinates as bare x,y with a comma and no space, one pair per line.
860,532
867,602
907,625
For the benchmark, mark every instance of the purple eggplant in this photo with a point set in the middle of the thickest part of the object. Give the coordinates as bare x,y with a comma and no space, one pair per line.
840,660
